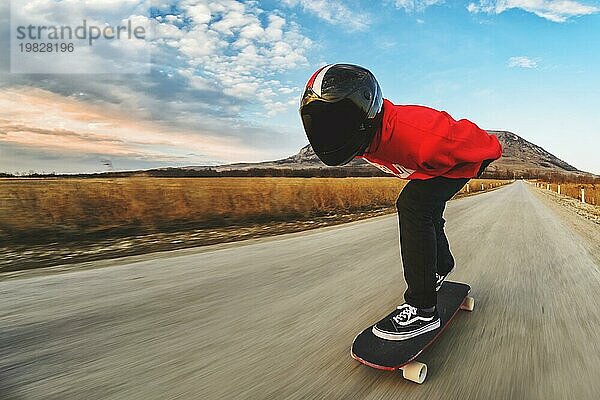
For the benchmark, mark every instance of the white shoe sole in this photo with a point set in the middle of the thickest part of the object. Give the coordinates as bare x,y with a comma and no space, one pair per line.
408,335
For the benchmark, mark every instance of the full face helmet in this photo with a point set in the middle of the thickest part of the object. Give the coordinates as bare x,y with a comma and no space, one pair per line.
341,110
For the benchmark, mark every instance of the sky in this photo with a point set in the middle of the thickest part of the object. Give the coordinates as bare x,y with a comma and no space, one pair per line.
224,78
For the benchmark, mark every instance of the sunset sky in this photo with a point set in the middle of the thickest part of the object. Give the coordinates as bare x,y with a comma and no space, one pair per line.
225,78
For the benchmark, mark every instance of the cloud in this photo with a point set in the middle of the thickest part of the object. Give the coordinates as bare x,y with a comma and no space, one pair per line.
105,56
230,49
522,62
416,5
236,47
38,119
333,12
552,10
220,71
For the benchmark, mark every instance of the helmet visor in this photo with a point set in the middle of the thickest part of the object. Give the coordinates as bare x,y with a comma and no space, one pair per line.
331,126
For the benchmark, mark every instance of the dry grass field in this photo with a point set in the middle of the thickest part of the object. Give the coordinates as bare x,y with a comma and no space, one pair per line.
591,191
46,210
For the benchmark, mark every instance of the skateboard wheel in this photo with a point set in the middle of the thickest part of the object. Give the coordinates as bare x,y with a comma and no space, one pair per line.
468,304
415,372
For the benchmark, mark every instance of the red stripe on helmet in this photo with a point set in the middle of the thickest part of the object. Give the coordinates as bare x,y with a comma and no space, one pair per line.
311,81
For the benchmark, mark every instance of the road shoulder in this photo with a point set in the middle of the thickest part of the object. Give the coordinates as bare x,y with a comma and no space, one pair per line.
584,219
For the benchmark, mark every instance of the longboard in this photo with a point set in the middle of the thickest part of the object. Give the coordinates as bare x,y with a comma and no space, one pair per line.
393,355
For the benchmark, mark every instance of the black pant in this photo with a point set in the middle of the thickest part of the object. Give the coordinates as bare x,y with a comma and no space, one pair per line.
423,243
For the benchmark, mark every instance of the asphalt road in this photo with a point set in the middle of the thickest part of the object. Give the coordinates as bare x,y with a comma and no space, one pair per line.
274,318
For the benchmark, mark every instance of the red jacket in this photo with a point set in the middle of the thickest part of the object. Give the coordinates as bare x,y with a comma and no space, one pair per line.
418,142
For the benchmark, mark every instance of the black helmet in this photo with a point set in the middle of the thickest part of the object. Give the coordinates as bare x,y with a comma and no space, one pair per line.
340,109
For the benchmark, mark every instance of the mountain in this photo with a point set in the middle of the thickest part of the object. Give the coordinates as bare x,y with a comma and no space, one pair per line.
519,157
304,159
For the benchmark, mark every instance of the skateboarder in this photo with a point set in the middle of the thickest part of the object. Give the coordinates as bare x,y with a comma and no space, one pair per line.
345,117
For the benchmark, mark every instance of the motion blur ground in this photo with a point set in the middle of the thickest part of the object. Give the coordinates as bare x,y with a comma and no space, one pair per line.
157,326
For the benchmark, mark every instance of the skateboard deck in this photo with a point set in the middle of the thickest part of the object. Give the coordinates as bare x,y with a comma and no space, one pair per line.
393,355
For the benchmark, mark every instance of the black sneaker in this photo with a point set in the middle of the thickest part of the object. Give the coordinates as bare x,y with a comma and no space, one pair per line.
439,279
407,322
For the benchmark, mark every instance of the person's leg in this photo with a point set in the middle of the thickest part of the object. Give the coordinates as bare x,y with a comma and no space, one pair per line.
418,246
420,207
445,260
